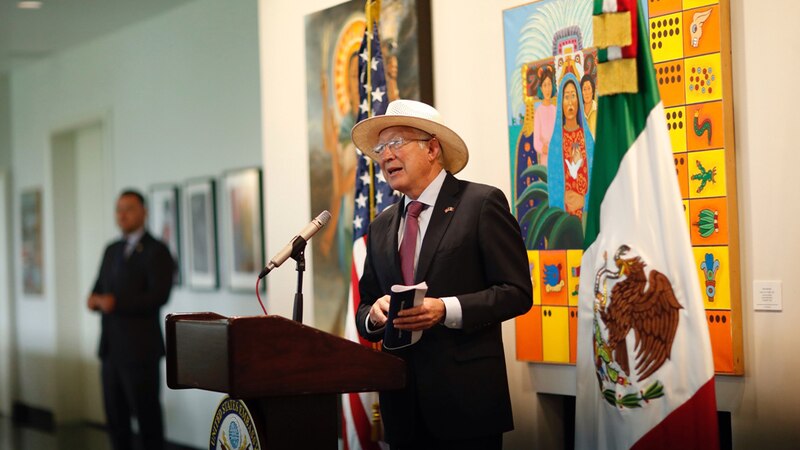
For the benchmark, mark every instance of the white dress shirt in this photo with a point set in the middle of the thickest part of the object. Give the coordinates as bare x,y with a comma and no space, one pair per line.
131,240
453,315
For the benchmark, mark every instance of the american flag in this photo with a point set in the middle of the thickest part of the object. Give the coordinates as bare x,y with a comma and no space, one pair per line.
372,195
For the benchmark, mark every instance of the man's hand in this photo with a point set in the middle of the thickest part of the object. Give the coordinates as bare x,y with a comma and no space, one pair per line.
101,302
378,313
422,317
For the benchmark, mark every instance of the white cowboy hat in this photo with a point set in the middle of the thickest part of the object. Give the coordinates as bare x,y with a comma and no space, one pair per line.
410,113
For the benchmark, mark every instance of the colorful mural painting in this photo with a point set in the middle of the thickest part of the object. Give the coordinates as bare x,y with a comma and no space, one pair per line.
551,81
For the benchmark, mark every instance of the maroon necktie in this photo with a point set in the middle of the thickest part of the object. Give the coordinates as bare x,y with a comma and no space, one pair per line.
409,244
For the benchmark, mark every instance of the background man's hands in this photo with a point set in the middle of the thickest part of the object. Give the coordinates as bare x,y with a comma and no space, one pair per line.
101,302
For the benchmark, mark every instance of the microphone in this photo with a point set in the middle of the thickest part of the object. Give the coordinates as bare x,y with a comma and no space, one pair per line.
305,234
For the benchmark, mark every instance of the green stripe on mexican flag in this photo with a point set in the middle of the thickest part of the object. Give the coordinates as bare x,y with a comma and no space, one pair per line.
645,370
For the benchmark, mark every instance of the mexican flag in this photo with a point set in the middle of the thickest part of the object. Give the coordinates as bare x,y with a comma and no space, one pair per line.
645,370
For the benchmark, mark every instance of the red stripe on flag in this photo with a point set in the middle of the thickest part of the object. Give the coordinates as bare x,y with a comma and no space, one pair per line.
363,427
692,426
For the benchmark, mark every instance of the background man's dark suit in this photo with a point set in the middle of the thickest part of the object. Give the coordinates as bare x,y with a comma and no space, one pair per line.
131,342
472,250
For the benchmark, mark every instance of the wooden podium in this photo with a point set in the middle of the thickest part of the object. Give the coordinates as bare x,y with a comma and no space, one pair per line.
288,374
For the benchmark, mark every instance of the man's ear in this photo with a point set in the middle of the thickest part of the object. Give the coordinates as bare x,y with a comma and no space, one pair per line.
434,149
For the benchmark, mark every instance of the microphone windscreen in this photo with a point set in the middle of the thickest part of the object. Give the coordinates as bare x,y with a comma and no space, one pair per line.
324,217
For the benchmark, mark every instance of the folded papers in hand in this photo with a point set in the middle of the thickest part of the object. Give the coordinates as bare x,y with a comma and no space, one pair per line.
403,297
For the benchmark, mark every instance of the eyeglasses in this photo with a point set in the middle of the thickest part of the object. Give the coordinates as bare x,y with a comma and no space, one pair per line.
396,144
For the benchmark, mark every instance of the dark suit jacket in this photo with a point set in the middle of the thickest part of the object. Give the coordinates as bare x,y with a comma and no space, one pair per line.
473,250
141,284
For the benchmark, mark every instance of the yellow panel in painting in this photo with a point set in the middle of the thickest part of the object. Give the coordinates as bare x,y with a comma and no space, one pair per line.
703,78
713,269
701,33
555,334
676,124
686,212
707,174
689,4
573,274
666,38
682,171
533,265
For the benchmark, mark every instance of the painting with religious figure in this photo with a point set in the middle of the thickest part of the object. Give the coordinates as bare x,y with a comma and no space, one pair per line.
333,38
551,78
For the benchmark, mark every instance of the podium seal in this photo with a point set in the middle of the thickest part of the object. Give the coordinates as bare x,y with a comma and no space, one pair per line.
233,427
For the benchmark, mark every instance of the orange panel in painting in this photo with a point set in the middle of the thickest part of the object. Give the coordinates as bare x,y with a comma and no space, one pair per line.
705,127
701,31
719,327
671,84
682,171
709,221
659,7
573,334
529,335
553,277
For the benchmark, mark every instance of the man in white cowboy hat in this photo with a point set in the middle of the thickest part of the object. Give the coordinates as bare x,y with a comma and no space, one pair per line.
460,238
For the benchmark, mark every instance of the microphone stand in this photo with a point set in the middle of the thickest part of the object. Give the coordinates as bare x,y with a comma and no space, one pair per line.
299,255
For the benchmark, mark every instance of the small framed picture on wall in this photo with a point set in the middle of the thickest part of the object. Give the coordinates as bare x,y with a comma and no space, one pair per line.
199,200
164,218
32,248
243,230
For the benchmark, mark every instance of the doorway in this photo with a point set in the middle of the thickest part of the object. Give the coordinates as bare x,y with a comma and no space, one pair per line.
7,364
82,213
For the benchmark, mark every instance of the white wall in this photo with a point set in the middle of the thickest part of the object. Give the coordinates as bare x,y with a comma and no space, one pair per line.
5,121
469,87
178,97
766,411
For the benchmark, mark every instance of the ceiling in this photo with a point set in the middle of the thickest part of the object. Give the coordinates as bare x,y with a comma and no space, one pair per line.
28,35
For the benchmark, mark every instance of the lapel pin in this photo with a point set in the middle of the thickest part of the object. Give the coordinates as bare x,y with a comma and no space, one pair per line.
449,209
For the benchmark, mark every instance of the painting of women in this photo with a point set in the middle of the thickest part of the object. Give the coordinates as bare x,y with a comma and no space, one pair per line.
537,128
571,151
589,101
544,115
